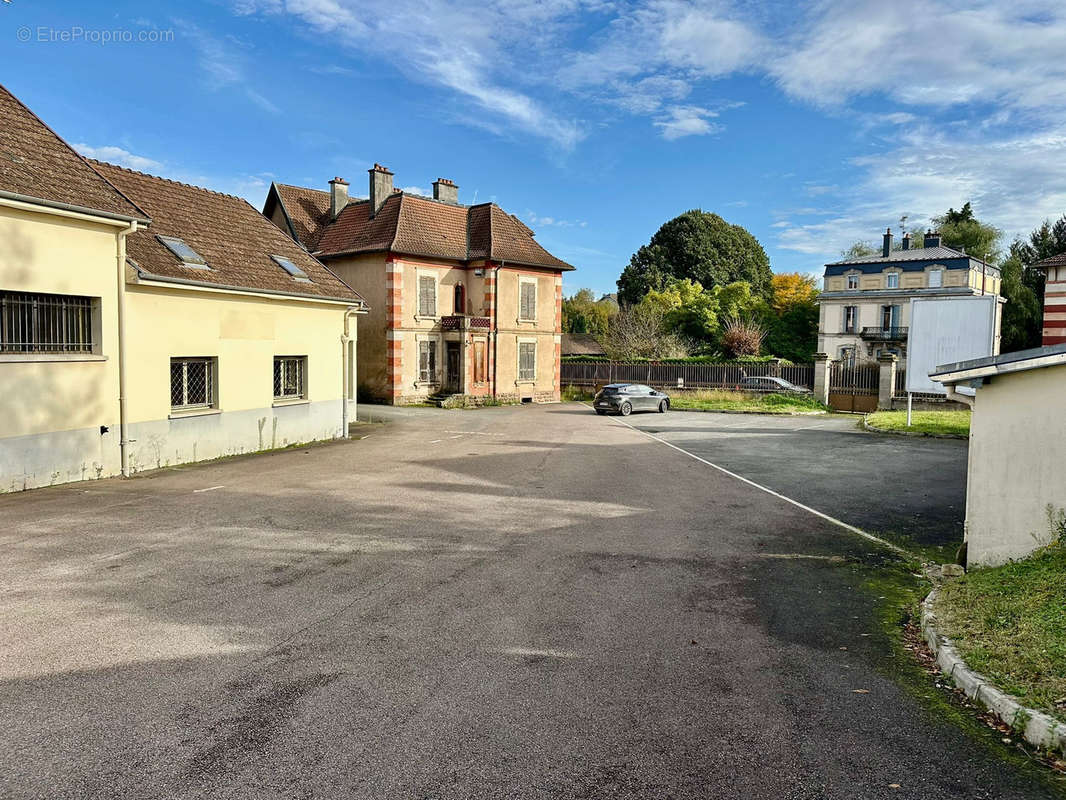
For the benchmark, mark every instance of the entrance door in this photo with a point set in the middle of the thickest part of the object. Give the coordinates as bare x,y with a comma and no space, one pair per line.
451,372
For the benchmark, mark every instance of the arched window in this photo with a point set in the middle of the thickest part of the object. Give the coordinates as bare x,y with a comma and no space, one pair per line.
460,299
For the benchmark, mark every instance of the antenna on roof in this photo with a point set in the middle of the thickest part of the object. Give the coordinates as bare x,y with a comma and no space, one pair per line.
475,198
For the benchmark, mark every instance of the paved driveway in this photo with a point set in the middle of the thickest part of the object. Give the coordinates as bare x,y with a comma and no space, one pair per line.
904,488
516,602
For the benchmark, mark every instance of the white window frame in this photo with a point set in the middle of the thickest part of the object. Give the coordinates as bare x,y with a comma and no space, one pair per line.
282,399
854,323
940,278
888,279
527,282
847,280
211,376
518,361
419,312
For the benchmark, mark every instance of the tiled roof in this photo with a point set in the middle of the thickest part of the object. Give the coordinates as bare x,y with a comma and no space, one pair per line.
36,162
914,254
581,344
1052,261
307,209
415,225
235,240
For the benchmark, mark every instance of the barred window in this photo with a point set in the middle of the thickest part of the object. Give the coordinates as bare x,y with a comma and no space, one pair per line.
192,383
527,361
289,377
427,361
45,323
427,296
527,300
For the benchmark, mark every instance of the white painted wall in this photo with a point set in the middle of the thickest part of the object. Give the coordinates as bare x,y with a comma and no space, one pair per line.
1017,464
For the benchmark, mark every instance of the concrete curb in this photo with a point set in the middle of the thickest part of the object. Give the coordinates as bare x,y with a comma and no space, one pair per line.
762,413
874,429
1039,729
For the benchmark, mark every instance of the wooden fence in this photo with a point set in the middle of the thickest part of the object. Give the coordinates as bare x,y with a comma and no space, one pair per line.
694,376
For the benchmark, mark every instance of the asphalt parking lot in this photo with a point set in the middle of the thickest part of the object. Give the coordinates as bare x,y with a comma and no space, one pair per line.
514,602
910,490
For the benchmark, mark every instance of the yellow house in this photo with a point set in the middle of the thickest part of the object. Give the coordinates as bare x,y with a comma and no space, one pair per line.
144,322
465,304
865,305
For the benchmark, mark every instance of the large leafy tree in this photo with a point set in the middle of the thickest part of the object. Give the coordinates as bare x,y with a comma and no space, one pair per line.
699,246
791,320
1023,314
961,230
582,313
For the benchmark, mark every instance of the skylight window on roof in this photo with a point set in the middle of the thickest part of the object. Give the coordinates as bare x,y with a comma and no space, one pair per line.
185,254
291,268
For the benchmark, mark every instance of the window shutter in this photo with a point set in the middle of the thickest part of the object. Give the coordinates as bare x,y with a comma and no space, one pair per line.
427,296
528,305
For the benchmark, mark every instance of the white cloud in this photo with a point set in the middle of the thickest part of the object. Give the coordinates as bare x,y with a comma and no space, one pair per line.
416,190
117,155
224,64
687,121
547,222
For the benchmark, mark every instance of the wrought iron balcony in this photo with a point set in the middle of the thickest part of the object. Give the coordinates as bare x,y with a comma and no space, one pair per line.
896,334
457,322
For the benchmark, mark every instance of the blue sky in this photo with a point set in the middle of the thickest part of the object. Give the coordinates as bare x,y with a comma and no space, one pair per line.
812,125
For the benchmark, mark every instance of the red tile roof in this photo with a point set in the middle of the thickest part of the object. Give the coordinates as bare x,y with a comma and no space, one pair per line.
1052,261
413,225
37,163
235,240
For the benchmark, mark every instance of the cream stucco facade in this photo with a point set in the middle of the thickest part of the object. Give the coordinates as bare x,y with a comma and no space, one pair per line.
59,412
472,323
1016,484
1019,419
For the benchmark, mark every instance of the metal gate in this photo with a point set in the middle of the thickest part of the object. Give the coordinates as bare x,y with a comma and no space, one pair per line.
853,387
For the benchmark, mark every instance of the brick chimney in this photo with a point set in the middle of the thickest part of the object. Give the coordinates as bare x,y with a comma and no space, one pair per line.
338,196
445,191
906,241
380,187
886,246
932,239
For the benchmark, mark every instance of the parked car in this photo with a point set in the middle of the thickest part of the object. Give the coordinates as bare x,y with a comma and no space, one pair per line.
625,398
770,384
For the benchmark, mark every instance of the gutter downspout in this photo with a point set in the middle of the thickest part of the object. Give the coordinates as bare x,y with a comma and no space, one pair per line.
346,378
496,333
123,431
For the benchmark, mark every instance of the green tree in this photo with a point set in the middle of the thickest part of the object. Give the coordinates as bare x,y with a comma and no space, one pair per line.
859,250
687,308
582,313
961,230
702,247
1023,313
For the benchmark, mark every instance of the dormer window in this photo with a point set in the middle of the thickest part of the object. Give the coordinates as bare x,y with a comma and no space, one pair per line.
188,257
853,281
936,278
291,268
892,280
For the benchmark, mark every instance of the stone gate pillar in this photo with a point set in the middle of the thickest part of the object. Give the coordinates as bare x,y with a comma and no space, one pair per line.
821,377
886,388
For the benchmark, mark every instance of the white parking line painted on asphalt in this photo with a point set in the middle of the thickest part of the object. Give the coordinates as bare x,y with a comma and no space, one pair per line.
435,441
778,495
208,489
529,651
475,433
460,436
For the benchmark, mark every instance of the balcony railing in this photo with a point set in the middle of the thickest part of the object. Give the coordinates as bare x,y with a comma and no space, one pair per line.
896,334
455,322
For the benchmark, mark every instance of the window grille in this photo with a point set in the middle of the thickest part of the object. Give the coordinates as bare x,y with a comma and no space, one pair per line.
427,296
289,375
427,361
527,307
192,383
45,323
527,361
